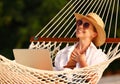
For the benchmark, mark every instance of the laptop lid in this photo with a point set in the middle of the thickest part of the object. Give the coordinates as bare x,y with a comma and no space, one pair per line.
35,58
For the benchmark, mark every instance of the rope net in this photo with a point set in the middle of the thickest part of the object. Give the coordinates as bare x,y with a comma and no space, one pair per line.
63,26
15,73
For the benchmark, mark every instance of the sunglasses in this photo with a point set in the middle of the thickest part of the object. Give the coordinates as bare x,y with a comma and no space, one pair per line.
85,25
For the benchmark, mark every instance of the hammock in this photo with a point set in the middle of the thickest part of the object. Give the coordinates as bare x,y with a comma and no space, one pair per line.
59,33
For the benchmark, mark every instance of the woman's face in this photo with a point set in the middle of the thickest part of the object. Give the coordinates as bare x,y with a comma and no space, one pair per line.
85,30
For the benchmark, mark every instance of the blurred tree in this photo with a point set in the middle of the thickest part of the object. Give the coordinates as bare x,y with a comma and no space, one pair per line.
21,19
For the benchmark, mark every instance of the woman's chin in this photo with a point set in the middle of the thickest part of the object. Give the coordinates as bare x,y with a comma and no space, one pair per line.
79,35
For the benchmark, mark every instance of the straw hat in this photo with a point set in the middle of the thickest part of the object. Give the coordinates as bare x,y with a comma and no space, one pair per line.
98,24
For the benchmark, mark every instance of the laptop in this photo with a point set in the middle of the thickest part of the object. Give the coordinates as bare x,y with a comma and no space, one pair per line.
35,58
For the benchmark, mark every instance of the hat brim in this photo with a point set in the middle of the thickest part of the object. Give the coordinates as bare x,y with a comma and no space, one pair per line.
101,37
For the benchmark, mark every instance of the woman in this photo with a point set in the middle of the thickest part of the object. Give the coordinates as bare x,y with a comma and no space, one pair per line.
91,34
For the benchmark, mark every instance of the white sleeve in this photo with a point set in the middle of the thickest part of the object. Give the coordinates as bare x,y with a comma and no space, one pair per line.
57,64
61,60
99,57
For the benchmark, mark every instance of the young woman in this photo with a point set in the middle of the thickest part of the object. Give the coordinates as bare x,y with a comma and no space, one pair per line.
91,34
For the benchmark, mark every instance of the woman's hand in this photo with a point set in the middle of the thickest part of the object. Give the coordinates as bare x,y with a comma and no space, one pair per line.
79,58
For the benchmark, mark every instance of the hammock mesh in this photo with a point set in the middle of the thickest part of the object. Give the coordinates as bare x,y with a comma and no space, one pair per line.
15,73
63,25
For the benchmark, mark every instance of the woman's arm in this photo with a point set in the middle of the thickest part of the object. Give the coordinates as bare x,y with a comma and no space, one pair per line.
79,58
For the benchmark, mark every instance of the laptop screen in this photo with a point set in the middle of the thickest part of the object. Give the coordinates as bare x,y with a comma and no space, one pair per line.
35,58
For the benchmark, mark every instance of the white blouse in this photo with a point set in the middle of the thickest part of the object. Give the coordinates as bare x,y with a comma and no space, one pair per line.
93,56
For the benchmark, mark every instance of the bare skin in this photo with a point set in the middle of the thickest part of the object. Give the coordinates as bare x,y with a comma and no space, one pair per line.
85,35
85,38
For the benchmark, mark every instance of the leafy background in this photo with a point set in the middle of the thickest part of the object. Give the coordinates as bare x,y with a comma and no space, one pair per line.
21,19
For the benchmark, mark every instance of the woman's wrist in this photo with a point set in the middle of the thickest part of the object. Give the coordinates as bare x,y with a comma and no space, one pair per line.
82,61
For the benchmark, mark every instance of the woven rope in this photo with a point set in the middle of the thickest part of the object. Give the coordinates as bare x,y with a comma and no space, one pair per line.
11,72
14,73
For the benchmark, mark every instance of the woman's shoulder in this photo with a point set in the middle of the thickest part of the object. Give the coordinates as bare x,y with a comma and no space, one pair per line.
101,54
98,52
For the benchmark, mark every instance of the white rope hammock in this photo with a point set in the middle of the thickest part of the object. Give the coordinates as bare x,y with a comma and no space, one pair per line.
59,33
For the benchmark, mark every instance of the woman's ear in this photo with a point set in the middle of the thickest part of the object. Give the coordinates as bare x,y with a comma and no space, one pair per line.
95,34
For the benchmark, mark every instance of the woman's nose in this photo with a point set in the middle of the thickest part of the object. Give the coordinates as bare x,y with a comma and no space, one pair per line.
80,27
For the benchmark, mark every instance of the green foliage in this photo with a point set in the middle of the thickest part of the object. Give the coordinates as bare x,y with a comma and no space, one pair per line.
21,19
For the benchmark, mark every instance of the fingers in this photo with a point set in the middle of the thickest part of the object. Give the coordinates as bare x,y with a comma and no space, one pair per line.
75,56
77,52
